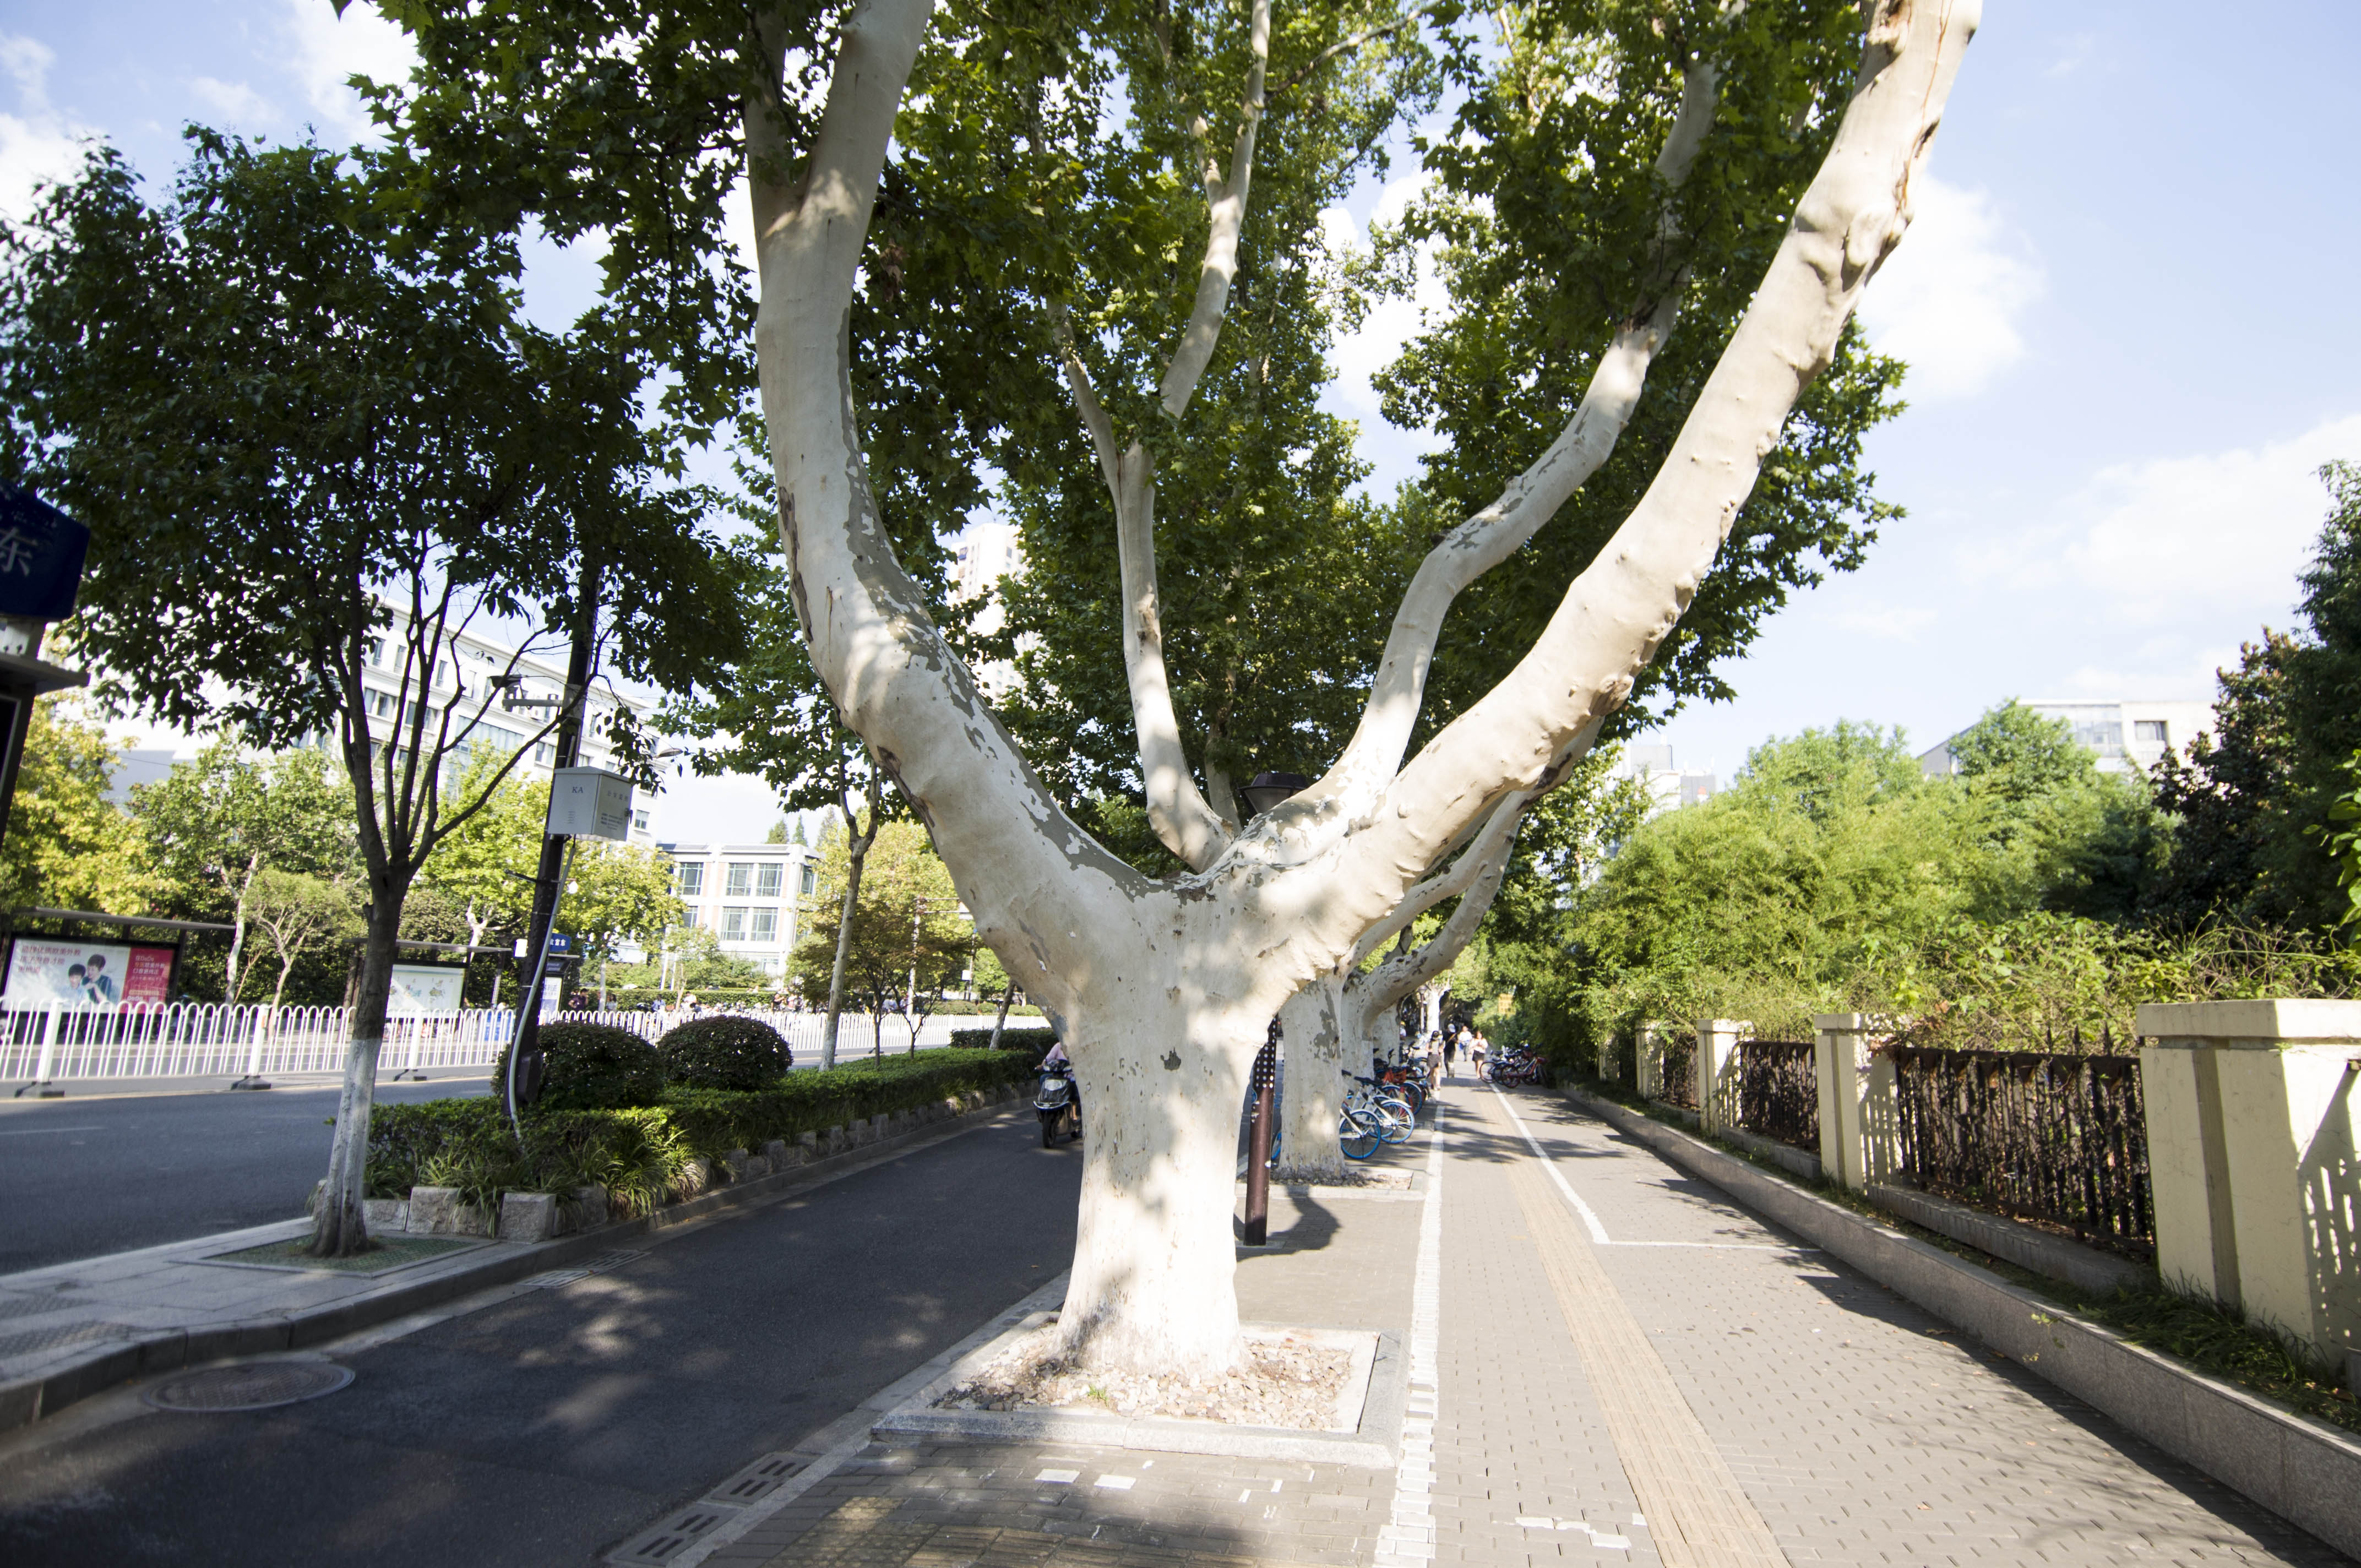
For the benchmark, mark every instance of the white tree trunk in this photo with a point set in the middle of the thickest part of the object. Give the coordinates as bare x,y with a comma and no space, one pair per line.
1314,1098
1155,1253
1163,990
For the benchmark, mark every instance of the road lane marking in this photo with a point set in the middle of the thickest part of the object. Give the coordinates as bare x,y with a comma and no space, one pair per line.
1599,1236
1702,1517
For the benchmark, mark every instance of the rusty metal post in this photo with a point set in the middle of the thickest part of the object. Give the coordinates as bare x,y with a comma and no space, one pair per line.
1257,1226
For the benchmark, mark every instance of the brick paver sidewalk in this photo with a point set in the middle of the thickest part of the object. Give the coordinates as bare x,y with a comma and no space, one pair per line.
1631,1369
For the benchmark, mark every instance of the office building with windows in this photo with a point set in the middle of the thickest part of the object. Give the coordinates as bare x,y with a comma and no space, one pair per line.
2125,736
748,895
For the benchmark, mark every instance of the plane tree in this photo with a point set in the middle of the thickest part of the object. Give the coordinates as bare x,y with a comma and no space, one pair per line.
1163,986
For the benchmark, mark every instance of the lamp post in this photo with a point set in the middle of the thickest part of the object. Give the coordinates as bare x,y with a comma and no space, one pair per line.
1263,795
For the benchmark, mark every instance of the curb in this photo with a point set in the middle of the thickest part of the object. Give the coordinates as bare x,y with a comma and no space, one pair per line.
1365,1447
2304,1473
26,1401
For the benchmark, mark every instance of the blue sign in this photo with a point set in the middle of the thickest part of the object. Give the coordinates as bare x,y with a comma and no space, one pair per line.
41,551
559,942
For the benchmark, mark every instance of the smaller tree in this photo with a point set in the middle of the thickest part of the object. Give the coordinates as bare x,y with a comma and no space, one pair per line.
908,939
299,915
217,822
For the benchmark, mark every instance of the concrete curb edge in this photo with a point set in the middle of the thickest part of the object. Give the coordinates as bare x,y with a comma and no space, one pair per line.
2301,1472
26,1401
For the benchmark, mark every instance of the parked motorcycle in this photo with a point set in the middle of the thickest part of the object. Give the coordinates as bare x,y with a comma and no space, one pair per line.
1056,1100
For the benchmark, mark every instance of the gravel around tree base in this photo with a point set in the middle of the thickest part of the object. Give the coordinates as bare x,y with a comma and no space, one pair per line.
1278,1383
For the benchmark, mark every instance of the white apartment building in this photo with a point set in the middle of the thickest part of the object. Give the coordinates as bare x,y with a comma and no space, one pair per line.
1668,787
2125,737
748,895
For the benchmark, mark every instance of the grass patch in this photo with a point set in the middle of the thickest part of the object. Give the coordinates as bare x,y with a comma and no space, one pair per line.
386,1255
2201,1334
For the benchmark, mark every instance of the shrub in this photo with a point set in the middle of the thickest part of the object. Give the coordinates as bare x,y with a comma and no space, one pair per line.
1035,1042
727,1052
593,1067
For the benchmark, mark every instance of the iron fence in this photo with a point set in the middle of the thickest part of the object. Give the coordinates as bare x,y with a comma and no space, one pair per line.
1678,1084
1779,1092
59,1043
2057,1139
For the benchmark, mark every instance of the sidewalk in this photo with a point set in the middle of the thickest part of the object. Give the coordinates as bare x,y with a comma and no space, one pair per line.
1631,1369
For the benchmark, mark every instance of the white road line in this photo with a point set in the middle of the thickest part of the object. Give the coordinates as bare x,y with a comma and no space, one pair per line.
1599,1235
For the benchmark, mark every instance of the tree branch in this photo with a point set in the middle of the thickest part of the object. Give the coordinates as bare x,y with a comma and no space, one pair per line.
1228,202
1500,530
1615,614
1346,46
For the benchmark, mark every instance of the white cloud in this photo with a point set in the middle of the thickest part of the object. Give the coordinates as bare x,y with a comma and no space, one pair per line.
231,100
37,144
1949,298
2194,536
329,48
1895,624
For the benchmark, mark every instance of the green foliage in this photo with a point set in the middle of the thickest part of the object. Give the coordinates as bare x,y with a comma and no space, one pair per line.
908,915
68,846
592,1066
724,1052
2342,838
1036,1043
641,1155
2250,801
298,916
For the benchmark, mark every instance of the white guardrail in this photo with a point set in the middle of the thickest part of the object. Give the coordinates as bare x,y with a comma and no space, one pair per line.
57,1043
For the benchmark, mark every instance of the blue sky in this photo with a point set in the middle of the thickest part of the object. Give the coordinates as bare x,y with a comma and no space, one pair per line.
2128,301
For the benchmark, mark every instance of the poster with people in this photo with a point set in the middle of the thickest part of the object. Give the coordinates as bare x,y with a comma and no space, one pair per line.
86,974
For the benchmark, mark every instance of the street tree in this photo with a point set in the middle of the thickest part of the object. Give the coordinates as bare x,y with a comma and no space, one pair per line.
313,441
298,913
768,715
218,821
906,941
1163,987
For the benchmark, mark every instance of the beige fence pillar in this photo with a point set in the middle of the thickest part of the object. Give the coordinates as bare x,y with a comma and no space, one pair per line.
1860,1141
1717,1070
2254,1116
1648,1062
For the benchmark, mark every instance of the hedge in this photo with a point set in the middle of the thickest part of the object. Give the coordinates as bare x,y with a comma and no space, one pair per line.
1035,1042
640,1155
592,1066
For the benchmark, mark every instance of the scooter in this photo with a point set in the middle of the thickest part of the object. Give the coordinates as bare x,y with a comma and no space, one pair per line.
1056,1101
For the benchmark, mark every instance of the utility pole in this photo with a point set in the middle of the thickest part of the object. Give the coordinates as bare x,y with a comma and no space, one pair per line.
546,887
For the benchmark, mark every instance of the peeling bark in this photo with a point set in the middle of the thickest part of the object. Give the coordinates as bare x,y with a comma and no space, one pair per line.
1162,991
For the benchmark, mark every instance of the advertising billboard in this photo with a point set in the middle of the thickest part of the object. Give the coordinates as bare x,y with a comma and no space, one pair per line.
419,990
42,969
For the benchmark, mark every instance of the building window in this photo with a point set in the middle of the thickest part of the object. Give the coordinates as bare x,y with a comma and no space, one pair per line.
766,925
2150,732
640,820
687,917
742,878
689,877
811,880
767,880
543,752
733,925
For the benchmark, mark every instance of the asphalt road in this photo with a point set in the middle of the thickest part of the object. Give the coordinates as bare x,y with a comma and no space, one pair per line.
549,1427
85,1176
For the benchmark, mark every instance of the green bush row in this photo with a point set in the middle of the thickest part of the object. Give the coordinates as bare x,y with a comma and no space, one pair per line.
641,1155
1036,1042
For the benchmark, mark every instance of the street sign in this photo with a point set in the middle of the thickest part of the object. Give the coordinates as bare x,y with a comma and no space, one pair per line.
41,551
589,802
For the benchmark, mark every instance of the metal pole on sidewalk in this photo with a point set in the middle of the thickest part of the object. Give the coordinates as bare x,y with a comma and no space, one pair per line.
1266,1069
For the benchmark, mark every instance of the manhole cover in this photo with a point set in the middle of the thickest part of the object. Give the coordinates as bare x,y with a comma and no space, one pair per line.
258,1385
